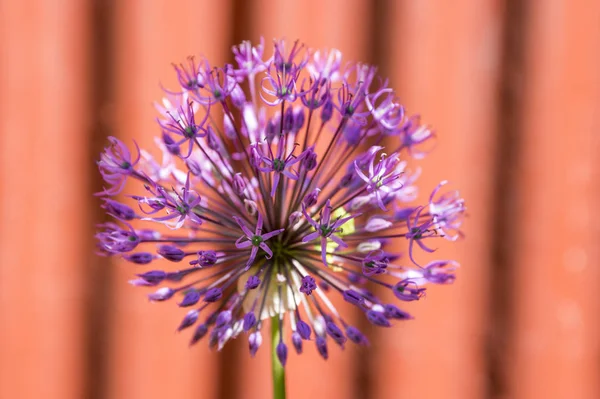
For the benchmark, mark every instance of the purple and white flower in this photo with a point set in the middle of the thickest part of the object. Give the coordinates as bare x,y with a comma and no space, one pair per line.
279,193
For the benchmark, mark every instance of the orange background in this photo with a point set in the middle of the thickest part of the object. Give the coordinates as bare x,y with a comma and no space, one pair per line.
513,90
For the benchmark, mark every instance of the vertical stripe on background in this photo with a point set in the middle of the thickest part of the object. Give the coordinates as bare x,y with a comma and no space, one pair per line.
557,283
98,274
147,358
44,195
445,67
500,331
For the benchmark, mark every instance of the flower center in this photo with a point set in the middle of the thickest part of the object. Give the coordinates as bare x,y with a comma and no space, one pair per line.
278,165
256,240
325,230
417,233
190,131
283,92
182,209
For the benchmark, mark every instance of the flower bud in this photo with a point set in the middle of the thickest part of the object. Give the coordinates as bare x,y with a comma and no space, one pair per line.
239,185
309,162
171,253
311,198
282,352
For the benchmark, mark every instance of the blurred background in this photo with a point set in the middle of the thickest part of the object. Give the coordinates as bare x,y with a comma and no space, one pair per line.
513,90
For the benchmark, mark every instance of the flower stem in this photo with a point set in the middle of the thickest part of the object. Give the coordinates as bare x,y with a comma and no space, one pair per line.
278,370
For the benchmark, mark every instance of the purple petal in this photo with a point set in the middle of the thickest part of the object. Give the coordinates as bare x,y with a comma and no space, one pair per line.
266,248
273,233
310,237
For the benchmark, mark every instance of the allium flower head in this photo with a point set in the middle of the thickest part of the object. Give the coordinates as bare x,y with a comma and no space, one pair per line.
299,193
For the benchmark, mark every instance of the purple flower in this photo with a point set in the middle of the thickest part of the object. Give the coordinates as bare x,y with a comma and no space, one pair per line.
376,262
265,226
413,135
278,164
437,272
280,86
419,228
256,240
447,211
116,165
205,258
178,206
325,66
249,59
325,229
217,85
290,63
408,290
379,176
189,76
308,285
182,122
114,239
118,210
387,112
351,102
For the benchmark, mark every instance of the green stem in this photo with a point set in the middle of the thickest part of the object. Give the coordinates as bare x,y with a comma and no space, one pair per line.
278,370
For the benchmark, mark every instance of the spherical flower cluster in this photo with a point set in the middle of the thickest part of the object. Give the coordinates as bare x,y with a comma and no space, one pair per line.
289,199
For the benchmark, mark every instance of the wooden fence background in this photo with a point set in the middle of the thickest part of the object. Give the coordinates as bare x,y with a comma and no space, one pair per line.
513,89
